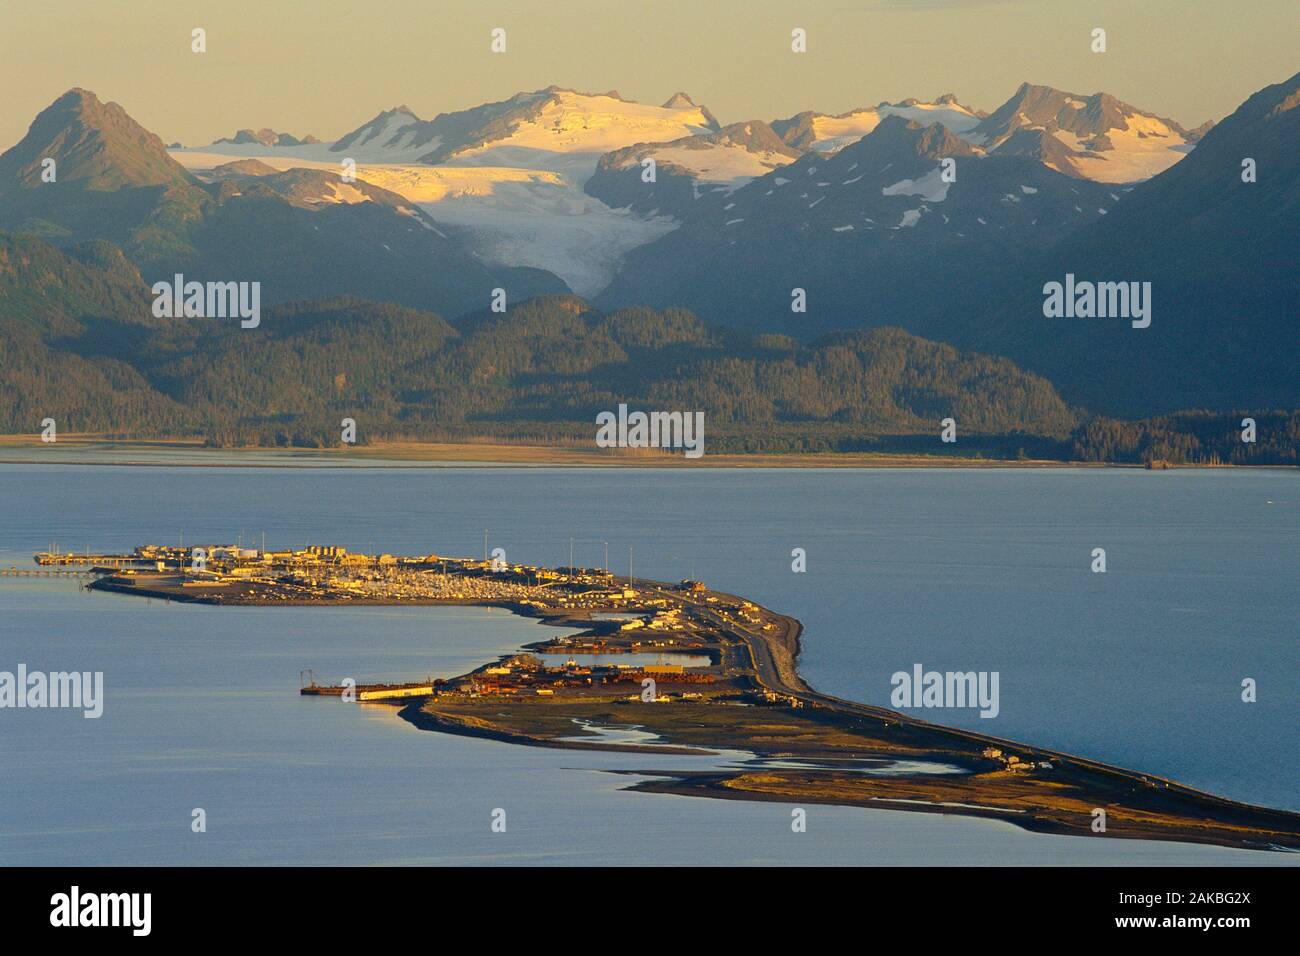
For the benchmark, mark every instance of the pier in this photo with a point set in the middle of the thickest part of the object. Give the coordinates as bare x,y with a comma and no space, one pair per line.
369,691
14,572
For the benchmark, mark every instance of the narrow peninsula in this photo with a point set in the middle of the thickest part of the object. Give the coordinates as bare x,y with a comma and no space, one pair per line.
692,670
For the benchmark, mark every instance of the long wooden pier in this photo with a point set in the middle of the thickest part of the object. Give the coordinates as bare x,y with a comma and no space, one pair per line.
15,572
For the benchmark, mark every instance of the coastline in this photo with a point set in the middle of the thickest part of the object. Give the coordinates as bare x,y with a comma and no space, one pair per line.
92,450
74,449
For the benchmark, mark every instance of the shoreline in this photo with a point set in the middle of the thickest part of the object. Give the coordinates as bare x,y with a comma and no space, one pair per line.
714,786
29,450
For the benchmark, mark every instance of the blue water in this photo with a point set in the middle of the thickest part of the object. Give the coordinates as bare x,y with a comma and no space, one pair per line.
977,570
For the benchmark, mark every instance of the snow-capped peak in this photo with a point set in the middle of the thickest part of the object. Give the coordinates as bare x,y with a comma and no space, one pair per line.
384,131
1094,137
567,122
829,134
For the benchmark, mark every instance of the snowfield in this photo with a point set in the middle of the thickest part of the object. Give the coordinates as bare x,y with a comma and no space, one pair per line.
833,133
930,187
730,166
508,215
1148,147
518,198
554,227
578,123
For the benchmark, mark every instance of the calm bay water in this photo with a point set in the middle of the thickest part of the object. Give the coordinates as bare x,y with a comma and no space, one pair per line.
955,570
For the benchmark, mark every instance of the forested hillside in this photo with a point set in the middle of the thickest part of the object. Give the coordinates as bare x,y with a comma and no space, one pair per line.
79,343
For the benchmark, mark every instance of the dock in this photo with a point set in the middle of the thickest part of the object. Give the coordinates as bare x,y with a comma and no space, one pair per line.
369,691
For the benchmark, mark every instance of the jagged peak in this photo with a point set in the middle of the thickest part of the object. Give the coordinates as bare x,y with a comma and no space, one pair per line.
97,144
397,111
930,138
79,93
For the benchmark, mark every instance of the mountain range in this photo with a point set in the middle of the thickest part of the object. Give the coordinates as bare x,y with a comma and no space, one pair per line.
931,217
1220,254
302,233
874,233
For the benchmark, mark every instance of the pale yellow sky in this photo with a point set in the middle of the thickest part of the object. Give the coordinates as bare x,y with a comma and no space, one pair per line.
325,66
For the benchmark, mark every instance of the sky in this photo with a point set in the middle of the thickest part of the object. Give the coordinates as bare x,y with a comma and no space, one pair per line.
326,66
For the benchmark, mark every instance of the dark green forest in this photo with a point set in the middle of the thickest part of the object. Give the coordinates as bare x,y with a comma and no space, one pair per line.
1191,438
79,343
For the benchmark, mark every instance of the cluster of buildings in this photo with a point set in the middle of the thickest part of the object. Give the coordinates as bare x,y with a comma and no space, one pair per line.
658,617
427,576
525,675
1015,764
330,570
